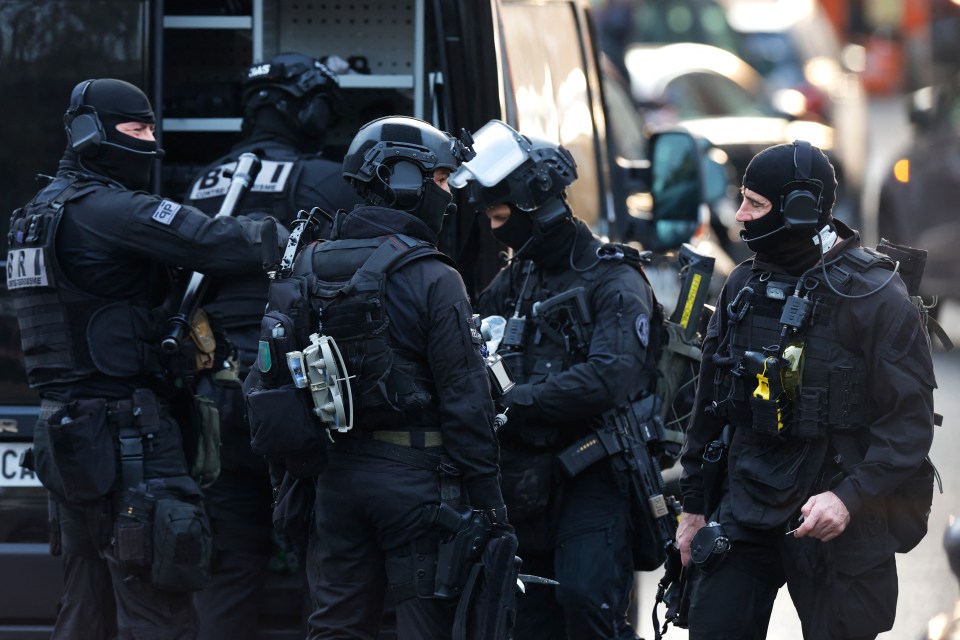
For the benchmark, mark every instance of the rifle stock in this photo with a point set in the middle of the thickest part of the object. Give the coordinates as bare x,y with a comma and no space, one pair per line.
248,165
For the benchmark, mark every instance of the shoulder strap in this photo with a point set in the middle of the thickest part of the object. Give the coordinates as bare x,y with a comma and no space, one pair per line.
393,252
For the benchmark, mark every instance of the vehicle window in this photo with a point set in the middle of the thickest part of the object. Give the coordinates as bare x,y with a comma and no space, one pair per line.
626,127
698,95
670,21
545,69
774,55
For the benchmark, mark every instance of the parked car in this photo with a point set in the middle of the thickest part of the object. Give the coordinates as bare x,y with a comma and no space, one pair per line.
715,94
812,75
920,190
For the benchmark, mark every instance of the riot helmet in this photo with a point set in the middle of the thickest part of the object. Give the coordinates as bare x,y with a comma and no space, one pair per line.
302,89
801,185
530,175
96,107
391,161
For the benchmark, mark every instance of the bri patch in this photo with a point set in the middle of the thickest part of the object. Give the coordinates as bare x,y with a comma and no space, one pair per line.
642,326
166,212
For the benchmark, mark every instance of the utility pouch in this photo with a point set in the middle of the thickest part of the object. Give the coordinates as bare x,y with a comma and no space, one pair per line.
84,449
709,547
766,415
182,546
132,531
201,333
282,421
205,461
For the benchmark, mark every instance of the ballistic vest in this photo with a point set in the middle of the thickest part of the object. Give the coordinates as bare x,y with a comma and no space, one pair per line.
552,344
271,192
347,284
239,301
832,394
67,333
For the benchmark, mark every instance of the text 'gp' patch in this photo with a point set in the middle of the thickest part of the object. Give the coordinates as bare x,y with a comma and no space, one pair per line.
166,212
642,327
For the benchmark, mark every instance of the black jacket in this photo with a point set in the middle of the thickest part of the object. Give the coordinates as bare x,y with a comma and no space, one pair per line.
117,244
609,371
430,313
884,330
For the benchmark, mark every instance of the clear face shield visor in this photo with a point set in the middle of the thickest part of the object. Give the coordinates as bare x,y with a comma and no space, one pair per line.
499,150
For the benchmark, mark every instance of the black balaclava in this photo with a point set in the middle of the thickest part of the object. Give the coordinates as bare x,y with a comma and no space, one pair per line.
543,235
434,206
769,174
124,158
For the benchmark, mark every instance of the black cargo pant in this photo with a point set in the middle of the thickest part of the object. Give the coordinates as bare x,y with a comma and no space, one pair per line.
592,561
100,599
239,506
735,601
373,532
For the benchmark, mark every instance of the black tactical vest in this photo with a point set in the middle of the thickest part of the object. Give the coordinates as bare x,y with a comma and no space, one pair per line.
833,390
68,333
270,194
552,344
347,283
239,301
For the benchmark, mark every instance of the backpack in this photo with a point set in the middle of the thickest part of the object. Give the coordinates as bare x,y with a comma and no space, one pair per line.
908,507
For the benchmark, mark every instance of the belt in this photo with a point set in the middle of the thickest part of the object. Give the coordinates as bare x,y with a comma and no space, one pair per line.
413,439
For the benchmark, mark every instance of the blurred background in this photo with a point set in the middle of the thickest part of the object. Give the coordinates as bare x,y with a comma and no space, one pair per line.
871,82
875,84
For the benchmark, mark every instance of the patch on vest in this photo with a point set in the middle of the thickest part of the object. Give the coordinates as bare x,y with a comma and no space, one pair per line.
26,267
166,212
272,178
642,326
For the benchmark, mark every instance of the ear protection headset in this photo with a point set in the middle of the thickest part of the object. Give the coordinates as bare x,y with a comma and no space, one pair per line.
406,180
83,126
800,207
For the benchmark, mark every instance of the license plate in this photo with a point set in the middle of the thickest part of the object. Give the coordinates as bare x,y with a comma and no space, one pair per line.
11,474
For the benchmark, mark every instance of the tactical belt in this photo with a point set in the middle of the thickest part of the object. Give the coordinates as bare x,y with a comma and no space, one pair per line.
375,443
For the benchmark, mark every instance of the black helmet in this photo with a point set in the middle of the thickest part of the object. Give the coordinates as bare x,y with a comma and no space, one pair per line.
303,89
511,168
391,161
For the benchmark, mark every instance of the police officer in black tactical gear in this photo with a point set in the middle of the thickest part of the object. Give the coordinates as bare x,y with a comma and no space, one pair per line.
817,383
290,102
571,363
422,415
89,275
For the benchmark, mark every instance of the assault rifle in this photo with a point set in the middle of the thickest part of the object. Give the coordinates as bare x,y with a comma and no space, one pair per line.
248,165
